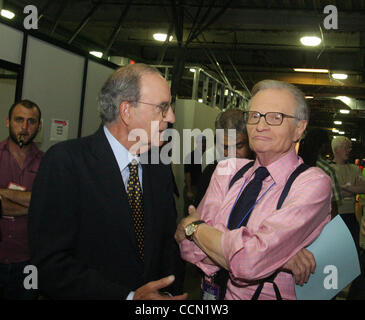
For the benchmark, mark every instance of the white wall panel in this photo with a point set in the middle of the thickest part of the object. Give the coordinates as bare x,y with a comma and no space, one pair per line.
7,95
190,114
11,41
53,79
96,76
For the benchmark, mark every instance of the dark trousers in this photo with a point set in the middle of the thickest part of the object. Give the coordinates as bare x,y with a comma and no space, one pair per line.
11,282
354,228
357,288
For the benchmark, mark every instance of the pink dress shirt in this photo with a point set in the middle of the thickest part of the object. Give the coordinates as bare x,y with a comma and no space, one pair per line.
271,236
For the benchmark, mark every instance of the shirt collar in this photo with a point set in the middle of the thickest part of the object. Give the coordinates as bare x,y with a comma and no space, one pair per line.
33,152
122,155
281,169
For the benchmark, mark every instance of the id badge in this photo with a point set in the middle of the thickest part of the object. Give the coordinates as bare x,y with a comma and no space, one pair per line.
14,186
210,290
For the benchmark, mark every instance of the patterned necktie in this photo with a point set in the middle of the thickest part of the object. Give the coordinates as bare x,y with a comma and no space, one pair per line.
247,199
135,200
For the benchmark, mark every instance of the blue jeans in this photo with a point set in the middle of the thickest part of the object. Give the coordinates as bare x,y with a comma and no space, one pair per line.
11,282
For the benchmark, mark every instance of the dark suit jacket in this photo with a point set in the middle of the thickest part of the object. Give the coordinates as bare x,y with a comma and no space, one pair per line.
81,234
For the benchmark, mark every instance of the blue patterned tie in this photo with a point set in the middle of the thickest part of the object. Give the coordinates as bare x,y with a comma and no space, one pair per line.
135,199
247,199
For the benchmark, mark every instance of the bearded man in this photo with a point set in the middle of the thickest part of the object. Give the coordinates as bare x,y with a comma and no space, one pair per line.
19,159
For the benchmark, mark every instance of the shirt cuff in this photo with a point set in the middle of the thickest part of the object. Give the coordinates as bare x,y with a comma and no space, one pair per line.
130,295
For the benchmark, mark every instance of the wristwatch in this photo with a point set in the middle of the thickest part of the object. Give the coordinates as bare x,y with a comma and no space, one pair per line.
191,228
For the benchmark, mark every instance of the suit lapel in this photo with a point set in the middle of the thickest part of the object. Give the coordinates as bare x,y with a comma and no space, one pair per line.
111,182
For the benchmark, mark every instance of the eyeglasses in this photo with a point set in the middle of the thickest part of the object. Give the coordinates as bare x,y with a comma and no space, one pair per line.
164,107
271,118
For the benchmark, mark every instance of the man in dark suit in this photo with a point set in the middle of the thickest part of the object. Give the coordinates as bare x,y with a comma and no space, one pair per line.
101,222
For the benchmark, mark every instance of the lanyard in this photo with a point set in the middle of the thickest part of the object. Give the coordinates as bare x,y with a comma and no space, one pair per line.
253,206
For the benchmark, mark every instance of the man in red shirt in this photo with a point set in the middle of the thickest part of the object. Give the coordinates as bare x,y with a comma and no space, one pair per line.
19,159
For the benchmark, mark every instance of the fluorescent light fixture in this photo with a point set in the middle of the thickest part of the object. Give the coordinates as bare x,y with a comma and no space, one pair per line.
344,111
341,132
345,100
311,70
337,122
7,14
309,97
339,76
310,41
335,130
96,53
161,37
353,139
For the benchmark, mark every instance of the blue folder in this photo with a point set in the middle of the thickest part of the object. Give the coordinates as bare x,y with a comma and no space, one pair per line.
337,263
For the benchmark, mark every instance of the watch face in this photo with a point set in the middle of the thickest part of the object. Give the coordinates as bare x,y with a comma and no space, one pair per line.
189,230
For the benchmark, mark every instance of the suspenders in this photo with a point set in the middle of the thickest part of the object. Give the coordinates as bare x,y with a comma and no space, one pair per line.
239,174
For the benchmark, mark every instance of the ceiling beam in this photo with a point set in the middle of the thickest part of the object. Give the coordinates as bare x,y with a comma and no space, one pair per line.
117,28
85,21
44,9
211,21
62,8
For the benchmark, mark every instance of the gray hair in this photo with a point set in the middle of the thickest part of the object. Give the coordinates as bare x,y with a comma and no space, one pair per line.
301,111
231,119
122,85
339,141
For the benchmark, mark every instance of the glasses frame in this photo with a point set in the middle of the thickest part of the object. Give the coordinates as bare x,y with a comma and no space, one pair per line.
283,115
163,107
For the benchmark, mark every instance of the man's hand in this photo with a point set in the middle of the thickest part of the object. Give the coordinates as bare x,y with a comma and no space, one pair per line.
301,266
345,191
150,290
180,231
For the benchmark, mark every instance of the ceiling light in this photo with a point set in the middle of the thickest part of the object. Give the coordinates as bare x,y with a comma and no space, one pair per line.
341,132
309,97
344,111
311,70
7,14
192,70
335,130
353,139
345,100
339,76
161,37
96,53
337,122
200,100
310,41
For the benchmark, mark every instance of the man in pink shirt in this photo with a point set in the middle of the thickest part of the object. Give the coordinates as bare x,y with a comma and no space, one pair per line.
270,239
19,159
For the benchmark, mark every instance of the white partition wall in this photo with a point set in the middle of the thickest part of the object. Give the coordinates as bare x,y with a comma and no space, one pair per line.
7,94
53,79
96,76
190,114
11,42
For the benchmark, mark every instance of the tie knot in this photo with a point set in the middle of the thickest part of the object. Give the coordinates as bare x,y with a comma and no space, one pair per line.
261,173
133,167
